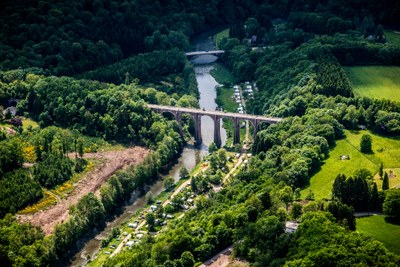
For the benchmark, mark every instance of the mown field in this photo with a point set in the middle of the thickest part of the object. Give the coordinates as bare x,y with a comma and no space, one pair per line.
386,150
218,37
392,37
378,228
222,75
375,81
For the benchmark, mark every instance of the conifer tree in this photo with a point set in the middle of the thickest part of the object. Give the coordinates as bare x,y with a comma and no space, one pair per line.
385,183
381,170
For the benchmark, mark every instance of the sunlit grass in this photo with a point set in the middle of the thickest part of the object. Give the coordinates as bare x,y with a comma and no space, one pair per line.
386,150
392,37
394,179
225,100
219,36
222,75
381,82
378,228
28,122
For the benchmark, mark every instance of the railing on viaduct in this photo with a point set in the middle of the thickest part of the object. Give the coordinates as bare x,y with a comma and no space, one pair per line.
201,53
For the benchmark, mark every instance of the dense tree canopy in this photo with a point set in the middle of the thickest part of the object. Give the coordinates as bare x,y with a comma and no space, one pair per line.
296,62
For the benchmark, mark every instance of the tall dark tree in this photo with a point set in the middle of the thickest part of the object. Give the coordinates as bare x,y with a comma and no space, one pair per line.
381,170
391,205
343,213
375,202
339,187
366,144
385,182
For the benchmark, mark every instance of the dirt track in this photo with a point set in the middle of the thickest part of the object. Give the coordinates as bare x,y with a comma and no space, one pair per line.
112,161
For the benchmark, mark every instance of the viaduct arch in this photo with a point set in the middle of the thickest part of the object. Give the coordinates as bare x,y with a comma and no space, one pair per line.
216,116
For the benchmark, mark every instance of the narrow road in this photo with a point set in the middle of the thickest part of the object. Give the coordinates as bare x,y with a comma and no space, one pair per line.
238,163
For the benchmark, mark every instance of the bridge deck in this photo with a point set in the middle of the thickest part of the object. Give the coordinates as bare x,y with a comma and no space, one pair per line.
216,113
199,53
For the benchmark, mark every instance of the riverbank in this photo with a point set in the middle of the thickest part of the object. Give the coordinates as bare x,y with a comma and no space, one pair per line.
165,209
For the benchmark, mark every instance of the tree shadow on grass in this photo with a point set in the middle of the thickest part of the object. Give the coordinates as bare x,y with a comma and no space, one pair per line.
392,220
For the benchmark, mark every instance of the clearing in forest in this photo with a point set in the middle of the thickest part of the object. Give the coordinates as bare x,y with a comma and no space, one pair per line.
381,82
383,231
112,161
392,37
385,150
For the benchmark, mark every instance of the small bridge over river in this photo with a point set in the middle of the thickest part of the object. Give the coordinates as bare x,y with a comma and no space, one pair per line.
201,53
177,112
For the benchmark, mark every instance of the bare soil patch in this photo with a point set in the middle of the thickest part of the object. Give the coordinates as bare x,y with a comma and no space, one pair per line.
226,261
112,161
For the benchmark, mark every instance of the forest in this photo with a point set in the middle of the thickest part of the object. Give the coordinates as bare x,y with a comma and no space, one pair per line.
84,71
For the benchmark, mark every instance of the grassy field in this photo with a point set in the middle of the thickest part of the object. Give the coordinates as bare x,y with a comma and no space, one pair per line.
225,100
393,181
392,37
375,81
222,75
224,96
218,37
28,122
378,228
385,150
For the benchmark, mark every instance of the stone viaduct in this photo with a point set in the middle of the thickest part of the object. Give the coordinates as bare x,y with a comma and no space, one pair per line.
177,112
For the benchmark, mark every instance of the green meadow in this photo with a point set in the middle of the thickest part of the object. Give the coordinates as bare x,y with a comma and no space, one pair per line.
377,228
385,150
218,37
392,37
375,81
222,75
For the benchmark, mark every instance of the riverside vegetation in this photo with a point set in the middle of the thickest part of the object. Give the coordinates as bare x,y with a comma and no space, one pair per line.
294,51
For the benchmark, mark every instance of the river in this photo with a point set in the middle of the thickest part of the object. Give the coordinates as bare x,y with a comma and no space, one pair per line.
191,155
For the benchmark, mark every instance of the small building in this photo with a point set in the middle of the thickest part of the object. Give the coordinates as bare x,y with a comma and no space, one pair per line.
130,243
153,207
344,157
291,226
139,236
133,225
12,110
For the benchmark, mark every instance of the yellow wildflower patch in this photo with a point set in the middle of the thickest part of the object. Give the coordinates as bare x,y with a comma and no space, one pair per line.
47,201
